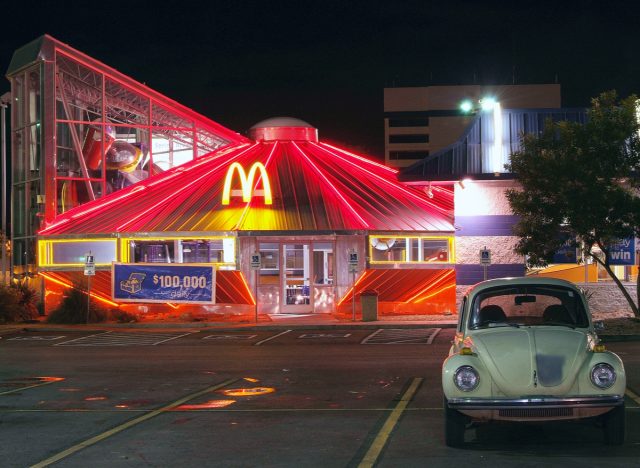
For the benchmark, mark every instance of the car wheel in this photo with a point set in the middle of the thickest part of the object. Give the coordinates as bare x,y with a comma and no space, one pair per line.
455,424
614,426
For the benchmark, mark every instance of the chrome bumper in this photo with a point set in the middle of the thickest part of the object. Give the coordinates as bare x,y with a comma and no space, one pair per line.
600,401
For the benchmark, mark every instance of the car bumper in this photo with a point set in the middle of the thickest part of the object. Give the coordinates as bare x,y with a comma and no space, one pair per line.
600,401
536,408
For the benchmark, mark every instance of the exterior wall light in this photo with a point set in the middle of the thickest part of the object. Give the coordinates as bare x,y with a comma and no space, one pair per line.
464,182
487,104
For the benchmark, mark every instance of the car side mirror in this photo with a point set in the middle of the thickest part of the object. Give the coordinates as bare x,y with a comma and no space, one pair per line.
598,326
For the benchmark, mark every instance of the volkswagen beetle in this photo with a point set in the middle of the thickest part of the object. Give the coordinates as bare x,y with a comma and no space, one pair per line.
526,350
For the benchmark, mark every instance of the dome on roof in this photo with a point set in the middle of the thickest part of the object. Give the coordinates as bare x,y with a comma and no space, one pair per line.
283,128
282,122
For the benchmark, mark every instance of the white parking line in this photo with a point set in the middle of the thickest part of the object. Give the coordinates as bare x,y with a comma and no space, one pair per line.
81,338
633,396
325,335
271,337
111,338
399,336
228,337
36,338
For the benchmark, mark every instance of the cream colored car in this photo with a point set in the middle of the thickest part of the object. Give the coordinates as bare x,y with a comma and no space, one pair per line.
526,350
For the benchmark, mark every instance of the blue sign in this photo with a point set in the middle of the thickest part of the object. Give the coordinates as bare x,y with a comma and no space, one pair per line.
163,282
569,252
623,252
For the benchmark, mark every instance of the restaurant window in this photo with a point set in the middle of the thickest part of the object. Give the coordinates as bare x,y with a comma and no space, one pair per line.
269,263
220,251
69,252
419,249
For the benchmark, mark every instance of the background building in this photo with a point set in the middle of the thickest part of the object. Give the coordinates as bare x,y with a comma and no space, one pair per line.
475,163
420,121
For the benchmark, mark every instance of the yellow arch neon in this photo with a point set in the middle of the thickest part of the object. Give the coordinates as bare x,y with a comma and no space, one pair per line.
247,182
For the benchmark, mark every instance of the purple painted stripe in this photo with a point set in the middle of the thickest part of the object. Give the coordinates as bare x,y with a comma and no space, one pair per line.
485,225
472,274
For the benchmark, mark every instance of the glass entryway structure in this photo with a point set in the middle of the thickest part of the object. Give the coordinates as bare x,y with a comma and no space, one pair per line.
81,130
297,276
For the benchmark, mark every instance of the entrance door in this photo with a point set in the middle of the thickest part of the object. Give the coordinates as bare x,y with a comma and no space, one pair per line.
296,281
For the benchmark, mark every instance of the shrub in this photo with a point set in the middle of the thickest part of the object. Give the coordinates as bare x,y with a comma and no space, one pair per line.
17,303
122,316
73,309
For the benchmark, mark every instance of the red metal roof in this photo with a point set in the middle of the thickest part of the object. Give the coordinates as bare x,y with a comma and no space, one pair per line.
316,187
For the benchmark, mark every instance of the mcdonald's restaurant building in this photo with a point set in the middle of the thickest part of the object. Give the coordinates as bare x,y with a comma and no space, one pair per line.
105,167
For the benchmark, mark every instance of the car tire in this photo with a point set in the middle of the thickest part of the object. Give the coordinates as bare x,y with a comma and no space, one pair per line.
614,426
455,424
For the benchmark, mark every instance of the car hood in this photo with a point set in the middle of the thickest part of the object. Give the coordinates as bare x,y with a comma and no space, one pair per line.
535,360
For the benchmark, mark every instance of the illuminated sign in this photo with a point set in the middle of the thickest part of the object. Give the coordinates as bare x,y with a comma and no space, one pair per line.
163,282
247,183
622,252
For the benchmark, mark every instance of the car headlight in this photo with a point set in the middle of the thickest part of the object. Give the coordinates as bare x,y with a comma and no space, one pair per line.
466,378
603,375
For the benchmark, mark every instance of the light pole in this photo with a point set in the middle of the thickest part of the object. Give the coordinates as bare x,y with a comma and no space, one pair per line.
5,99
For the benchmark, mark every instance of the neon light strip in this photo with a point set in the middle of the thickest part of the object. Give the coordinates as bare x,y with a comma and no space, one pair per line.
248,289
441,277
337,192
46,257
348,294
450,253
369,161
159,99
125,245
69,285
123,194
439,291
388,182
182,189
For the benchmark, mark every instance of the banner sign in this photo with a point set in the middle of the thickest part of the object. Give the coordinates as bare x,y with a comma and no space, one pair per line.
187,283
569,252
623,252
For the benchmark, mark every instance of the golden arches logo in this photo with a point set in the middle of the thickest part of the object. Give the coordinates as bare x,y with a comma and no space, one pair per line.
247,183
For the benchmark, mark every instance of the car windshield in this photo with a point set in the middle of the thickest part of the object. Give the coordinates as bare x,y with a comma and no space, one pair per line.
530,305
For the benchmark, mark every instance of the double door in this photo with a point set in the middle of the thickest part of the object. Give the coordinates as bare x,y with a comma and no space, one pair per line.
305,273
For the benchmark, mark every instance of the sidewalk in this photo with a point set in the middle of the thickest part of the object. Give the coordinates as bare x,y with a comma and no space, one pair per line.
277,322
295,322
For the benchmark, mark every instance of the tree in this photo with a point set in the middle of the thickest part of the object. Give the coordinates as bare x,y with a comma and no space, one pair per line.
580,181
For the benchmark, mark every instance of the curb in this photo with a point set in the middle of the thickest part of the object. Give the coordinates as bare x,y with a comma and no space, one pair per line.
618,338
208,326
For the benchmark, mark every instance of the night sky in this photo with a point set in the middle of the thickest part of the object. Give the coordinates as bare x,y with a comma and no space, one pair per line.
327,62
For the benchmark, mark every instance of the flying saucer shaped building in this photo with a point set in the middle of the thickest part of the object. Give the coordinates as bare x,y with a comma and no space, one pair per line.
292,225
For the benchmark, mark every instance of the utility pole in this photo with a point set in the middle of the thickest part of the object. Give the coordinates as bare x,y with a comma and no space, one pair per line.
5,99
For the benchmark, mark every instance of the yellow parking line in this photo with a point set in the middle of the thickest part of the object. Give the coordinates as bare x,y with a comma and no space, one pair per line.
128,424
47,382
380,441
633,396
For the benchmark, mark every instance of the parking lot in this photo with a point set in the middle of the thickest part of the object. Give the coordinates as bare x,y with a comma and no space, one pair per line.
289,397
